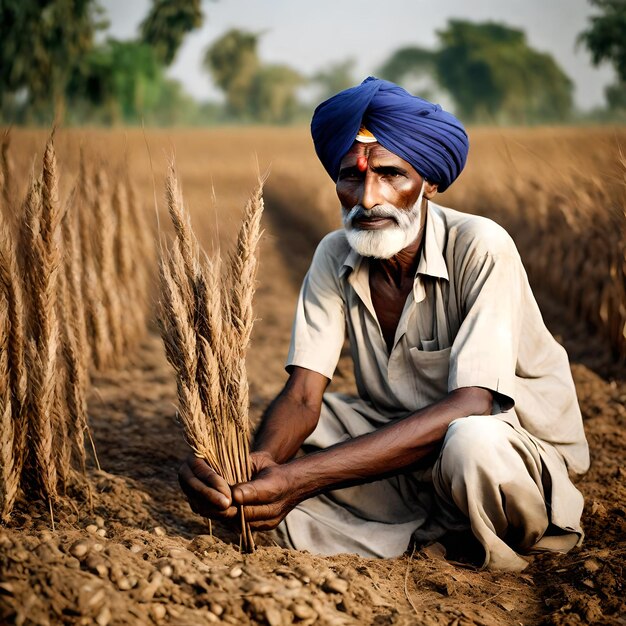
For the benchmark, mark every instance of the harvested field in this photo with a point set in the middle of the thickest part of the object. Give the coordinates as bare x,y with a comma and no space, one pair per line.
137,554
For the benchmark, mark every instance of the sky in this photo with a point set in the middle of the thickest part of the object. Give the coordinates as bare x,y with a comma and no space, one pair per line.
311,35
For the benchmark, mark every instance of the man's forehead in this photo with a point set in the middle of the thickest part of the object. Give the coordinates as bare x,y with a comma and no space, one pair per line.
371,151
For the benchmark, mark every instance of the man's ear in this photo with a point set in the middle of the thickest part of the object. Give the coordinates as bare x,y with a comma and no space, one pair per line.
430,189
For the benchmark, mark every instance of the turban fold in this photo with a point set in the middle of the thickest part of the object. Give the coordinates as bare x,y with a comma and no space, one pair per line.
433,141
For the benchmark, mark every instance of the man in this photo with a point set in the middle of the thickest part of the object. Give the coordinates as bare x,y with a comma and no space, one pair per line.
467,415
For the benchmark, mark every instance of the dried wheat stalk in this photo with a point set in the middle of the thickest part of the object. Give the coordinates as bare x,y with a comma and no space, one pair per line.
6,170
75,346
131,325
98,332
143,259
206,337
73,269
10,479
15,375
44,261
105,255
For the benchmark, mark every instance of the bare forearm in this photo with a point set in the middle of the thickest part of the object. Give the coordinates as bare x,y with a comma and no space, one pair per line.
284,427
292,417
388,450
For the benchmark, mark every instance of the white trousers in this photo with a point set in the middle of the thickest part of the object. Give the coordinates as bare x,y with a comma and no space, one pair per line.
489,476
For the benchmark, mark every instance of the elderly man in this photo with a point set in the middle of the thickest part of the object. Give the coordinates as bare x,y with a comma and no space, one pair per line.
467,416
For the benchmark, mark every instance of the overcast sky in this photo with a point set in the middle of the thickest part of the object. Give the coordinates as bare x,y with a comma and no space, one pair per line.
309,35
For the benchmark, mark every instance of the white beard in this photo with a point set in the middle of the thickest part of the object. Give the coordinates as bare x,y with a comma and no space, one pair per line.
385,242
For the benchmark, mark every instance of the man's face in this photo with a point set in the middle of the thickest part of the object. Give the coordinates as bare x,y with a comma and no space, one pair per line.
380,195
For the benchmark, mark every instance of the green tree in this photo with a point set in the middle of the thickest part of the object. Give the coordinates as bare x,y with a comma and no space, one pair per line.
233,61
415,69
272,97
606,36
606,40
40,43
616,96
406,62
167,23
490,72
123,82
334,78
264,93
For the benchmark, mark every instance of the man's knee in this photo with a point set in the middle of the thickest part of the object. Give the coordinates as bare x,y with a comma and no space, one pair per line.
473,440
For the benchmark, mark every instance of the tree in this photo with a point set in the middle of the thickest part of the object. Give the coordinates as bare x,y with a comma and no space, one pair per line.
606,37
335,78
408,61
167,23
41,42
272,97
490,72
414,68
122,78
254,91
232,61
606,40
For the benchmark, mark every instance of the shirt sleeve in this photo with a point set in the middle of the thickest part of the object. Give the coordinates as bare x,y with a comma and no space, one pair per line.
484,352
319,325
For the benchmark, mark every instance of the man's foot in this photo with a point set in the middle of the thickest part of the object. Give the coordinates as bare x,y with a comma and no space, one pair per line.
463,547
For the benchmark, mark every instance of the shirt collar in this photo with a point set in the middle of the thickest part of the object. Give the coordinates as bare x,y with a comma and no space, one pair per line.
431,263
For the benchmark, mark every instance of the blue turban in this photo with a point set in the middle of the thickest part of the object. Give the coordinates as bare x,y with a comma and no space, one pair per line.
433,141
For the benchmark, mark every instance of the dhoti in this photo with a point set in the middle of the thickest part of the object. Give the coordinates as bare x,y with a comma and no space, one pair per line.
510,488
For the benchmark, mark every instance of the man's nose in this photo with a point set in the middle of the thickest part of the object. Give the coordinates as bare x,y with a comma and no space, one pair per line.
370,191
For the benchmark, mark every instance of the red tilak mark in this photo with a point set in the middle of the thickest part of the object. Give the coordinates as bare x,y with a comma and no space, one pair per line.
361,163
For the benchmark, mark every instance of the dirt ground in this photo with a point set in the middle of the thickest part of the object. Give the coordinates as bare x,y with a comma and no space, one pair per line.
140,556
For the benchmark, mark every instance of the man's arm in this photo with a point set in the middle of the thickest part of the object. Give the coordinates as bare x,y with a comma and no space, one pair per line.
292,417
277,488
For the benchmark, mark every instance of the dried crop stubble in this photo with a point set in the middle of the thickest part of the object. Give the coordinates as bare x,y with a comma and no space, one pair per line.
206,320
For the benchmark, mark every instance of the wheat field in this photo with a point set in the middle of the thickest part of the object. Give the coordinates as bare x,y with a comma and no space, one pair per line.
109,238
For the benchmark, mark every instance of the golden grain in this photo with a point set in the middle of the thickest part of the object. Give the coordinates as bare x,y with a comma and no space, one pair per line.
206,334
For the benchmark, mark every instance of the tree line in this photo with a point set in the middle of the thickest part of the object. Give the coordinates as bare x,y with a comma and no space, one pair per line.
54,65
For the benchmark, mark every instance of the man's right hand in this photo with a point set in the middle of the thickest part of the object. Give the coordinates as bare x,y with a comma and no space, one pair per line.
208,493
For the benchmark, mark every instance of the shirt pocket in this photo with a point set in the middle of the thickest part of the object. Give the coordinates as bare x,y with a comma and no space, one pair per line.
430,374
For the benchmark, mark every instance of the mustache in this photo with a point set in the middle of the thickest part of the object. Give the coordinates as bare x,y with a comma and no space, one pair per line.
357,212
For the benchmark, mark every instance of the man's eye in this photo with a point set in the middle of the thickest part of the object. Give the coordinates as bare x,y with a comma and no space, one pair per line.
349,175
391,173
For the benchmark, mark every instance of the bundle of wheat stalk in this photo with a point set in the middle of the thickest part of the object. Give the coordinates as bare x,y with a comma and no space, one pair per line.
206,320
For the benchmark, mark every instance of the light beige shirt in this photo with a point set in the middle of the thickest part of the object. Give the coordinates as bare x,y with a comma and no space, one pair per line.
470,321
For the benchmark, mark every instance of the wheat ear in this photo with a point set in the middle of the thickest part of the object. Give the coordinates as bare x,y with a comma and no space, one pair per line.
105,254
98,332
44,265
11,285
10,478
74,337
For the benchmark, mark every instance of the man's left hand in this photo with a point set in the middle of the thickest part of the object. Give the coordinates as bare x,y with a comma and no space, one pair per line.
269,496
